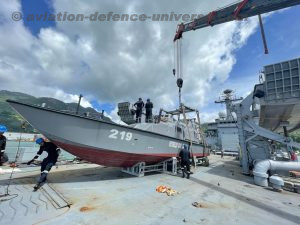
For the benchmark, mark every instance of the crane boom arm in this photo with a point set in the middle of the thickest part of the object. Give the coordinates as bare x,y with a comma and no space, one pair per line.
238,11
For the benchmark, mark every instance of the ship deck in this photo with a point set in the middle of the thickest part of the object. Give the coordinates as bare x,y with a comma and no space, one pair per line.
103,195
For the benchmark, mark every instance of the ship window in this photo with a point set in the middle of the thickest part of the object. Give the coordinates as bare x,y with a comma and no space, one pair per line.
179,129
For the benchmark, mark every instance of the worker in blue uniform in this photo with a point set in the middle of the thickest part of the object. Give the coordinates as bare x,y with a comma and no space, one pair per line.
53,153
139,109
185,162
3,157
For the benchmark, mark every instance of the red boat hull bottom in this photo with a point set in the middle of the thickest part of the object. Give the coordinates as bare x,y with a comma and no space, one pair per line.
113,158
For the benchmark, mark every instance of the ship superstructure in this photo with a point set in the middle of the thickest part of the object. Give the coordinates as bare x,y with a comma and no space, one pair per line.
222,135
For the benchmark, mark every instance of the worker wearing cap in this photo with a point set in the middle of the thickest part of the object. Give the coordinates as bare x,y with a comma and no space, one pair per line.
48,162
139,109
3,157
185,162
149,107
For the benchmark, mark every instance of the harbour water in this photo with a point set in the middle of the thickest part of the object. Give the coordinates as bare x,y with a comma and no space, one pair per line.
26,150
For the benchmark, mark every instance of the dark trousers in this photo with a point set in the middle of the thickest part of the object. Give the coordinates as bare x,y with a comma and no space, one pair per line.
138,115
3,158
186,164
45,169
148,117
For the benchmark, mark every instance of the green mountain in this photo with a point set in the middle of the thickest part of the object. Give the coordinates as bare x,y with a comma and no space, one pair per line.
10,118
296,136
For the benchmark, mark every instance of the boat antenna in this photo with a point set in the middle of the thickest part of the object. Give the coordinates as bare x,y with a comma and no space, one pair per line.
178,64
78,105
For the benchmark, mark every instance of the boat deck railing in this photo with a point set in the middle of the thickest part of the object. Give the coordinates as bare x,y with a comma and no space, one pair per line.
91,115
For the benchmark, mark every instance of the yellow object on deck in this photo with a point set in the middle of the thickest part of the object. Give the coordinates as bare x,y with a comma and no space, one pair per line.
164,189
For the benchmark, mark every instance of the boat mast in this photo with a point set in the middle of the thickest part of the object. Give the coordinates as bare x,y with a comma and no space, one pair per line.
78,105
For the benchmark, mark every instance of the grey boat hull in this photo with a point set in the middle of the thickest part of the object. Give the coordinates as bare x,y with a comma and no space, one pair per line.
102,142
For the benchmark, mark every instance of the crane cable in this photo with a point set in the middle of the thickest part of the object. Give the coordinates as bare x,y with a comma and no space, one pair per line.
179,82
177,71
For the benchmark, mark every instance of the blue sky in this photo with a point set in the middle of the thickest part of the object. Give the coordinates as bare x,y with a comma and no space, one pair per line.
283,39
282,32
30,7
280,26
36,7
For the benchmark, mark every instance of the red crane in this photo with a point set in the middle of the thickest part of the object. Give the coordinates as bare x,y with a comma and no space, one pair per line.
237,11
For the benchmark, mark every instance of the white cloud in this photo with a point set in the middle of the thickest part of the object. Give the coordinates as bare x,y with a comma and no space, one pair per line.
208,117
118,61
113,115
68,98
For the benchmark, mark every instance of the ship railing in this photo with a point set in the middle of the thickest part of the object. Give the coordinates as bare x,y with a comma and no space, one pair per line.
93,115
98,116
23,154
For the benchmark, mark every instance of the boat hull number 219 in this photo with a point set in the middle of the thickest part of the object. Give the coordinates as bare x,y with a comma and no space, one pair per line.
122,135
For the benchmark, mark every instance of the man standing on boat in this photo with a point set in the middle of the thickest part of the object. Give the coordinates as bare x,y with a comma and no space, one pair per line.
139,109
149,107
3,157
48,162
185,162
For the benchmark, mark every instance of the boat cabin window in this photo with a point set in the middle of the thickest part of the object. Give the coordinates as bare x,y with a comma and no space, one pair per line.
179,129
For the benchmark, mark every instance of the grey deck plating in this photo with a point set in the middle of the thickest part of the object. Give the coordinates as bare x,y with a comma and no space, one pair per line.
102,195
